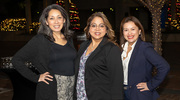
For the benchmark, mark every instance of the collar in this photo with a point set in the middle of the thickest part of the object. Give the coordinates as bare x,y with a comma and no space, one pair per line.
126,46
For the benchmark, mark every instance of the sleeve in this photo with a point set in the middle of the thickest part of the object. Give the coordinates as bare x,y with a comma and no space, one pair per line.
115,68
160,63
27,53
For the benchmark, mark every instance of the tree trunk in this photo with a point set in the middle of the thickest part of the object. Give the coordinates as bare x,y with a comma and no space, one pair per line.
156,29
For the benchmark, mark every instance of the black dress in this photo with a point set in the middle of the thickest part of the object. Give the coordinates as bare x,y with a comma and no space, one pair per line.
62,64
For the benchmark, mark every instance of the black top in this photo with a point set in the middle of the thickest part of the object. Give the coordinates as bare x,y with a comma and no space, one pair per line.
37,51
62,59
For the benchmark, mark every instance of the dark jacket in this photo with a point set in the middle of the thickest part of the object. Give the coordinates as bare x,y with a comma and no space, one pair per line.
140,68
103,72
37,51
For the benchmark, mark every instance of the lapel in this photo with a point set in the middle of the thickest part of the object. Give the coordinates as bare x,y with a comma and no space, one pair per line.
80,52
134,54
97,50
83,48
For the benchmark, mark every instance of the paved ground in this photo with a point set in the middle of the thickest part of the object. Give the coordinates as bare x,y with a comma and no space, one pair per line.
168,90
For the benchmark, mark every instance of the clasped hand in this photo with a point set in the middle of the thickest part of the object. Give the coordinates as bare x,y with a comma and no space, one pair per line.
45,76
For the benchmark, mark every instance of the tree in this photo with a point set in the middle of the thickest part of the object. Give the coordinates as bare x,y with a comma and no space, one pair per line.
155,7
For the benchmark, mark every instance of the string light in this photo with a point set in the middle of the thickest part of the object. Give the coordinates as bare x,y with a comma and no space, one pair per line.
175,23
17,25
74,14
155,7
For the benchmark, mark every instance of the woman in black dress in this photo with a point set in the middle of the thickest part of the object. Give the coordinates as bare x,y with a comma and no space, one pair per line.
52,53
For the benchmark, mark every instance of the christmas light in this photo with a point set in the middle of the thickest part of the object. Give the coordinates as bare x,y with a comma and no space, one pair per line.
16,25
155,7
73,10
176,22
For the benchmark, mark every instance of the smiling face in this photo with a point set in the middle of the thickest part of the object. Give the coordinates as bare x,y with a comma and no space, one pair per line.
55,20
131,32
97,29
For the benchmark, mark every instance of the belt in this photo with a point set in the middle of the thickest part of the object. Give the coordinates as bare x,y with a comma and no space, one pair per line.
127,87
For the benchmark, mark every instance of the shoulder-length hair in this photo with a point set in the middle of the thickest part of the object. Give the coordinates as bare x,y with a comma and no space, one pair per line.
44,28
110,32
137,23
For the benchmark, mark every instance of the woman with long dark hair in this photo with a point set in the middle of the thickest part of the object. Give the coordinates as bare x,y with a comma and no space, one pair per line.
52,53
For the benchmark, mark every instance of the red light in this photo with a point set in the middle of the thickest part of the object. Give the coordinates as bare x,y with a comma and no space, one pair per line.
177,3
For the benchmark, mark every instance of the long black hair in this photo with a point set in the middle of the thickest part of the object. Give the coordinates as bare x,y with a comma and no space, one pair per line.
44,28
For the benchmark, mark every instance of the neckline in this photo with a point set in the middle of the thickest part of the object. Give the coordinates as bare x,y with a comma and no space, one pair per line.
60,44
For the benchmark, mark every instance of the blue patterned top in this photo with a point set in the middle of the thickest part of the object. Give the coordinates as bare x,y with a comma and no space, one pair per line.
80,87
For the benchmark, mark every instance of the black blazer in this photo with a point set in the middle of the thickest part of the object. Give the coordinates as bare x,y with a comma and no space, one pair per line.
37,51
103,72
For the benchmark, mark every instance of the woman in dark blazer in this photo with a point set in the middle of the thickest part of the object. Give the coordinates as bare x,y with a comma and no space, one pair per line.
52,53
98,67
139,58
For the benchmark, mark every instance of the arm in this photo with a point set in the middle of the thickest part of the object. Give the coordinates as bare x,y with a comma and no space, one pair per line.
27,53
160,63
115,68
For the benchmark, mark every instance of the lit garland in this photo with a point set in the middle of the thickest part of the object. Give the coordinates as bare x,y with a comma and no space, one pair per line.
17,25
74,14
13,24
175,22
155,7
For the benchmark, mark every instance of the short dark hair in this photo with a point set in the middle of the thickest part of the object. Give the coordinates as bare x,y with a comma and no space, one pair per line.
44,28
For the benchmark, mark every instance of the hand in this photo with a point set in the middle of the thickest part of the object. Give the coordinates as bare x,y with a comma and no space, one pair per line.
45,76
142,86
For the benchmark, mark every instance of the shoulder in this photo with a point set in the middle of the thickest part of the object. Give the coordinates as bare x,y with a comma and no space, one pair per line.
143,44
146,45
38,37
110,45
147,49
110,48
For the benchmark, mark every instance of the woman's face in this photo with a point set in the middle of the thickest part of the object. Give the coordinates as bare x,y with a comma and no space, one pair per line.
55,20
97,29
131,32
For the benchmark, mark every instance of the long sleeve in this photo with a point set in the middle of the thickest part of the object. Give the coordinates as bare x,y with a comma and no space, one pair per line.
115,68
160,63
27,53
